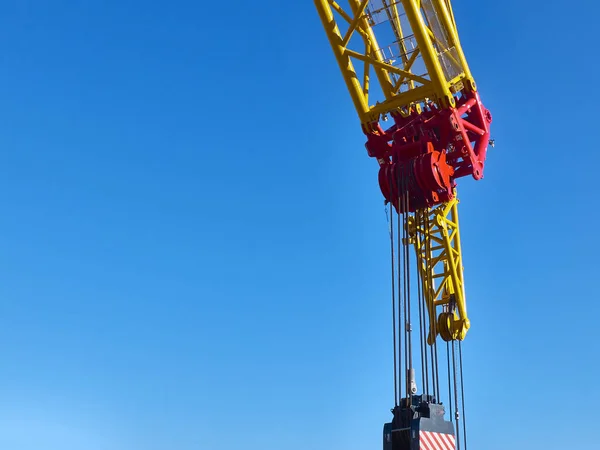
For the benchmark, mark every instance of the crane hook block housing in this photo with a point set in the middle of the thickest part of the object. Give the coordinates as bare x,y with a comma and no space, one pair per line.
419,425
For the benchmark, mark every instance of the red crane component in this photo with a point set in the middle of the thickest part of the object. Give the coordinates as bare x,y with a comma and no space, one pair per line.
423,154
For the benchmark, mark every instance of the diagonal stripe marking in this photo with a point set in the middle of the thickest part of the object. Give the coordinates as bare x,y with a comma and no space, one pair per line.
425,442
449,439
441,442
432,441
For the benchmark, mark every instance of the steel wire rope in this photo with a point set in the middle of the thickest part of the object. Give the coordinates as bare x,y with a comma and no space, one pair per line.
456,414
402,242
422,342
390,220
408,292
399,302
431,290
423,216
407,302
402,279
449,378
462,393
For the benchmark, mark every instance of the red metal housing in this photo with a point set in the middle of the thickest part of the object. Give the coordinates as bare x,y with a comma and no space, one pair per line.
423,154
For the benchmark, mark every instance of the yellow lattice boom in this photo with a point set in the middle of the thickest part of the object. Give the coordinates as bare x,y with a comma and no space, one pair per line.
435,235
413,50
417,59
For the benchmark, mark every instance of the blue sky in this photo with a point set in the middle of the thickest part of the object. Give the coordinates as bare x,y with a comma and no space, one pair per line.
193,245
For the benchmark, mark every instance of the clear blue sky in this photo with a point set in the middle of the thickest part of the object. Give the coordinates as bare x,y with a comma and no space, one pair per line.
193,244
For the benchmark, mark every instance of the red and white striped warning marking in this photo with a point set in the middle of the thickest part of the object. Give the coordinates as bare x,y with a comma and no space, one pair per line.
436,441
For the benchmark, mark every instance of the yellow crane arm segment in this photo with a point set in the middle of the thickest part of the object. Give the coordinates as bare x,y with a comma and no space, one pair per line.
435,235
421,60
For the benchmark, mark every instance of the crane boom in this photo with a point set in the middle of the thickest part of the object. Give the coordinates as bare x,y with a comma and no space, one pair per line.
420,29
441,128
439,132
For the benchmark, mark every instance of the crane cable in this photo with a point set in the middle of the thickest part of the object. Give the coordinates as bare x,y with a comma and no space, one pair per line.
391,231
428,272
404,240
401,308
422,322
462,393
456,400
403,299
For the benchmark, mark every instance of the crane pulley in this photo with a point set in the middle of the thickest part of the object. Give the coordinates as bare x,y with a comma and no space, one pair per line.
439,132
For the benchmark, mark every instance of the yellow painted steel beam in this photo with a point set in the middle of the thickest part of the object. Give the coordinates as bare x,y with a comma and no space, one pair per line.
357,18
435,235
428,60
370,41
335,39
387,67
